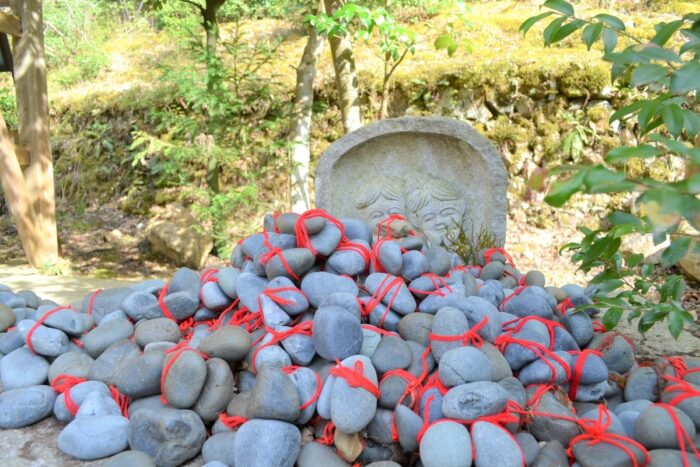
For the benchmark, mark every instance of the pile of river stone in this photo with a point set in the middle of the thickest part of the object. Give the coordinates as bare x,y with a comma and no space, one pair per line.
327,344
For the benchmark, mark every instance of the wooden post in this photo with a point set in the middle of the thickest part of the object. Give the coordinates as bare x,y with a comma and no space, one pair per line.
33,122
19,200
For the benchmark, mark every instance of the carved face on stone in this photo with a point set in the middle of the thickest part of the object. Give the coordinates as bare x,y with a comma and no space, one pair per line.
434,207
379,202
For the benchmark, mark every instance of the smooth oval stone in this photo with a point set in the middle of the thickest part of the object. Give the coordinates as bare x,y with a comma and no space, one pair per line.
146,403
219,447
529,302
494,445
21,368
615,426
78,393
498,362
493,270
266,443
381,317
227,281
25,406
349,261
492,291
654,427
551,454
529,446
273,315
315,454
618,355
535,278
337,334
45,341
169,436
671,458
399,297
248,287
213,297
642,383
474,400
379,428
606,454
422,361
408,425
298,260
307,383
413,265
68,321
131,459
391,353
7,317
356,229
107,365
217,391
141,305
548,428
156,330
293,302
286,222
319,285
580,326
72,363
389,257
274,396
416,327
439,260
547,370
97,403
230,343
444,444
464,365
139,375
326,241
96,341
104,302
185,379
478,309
180,305
346,301
89,438
185,280
351,409
519,355
448,322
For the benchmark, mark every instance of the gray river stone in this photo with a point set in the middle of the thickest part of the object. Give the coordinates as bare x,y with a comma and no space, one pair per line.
213,297
464,365
141,305
314,454
107,365
642,383
267,443
45,341
299,260
230,343
21,368
306,384
25,406
68,321
413,265
97,403
219,447
74,363
169,436
248,287
90,438
529,446
619,357
337,334
547,428
391,353
400,298
97,340
408,425
274,396
580,326
319,285
217,391
493,445
606,454
654,428
131,459
416,327
157,330
446,444
294,302
105,302
474,400
139,375
78,394
352,409
184,380
448,321
227,281
552,454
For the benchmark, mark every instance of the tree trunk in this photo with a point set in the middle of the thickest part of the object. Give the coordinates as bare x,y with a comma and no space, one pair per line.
300,198
345,76
210,23
20,200
33,122
384,107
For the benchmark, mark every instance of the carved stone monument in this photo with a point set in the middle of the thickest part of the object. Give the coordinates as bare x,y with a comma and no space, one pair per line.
437,172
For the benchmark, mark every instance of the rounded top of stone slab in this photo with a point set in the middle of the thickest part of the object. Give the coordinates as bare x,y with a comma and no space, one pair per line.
434,170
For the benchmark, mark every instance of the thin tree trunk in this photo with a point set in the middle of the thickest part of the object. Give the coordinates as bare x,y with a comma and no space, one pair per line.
211,24
345,76
33,118
300,198
20,200
384,107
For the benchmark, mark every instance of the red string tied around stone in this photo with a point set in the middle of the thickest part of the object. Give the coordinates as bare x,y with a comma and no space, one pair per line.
122,400
542,352
595,432
279,252
381,331
492,251
607,342
63,384
386,223
289,369
472,336
303,329
355,377
232,421
328,432
516,325
598,327
91,301
358,248
161,301
517,291
303,238
388,284
578,371
437,281
566,305
682,435
273,294
176,352
39,322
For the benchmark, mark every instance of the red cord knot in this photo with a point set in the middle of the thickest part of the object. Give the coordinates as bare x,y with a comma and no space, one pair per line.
355,377
438,283
274,295
39,322
472,336
279,252
516,325
62,384
566,305
389,284
578,371
328,433
302,329
488,254
289,369
303,238
598,327
682,435
232,421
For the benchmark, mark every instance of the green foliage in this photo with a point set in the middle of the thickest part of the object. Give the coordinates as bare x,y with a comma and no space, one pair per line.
460,240
8,102
454,35
664,76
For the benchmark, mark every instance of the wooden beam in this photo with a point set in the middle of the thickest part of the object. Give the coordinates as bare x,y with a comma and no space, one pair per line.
20,201
10,24
33,120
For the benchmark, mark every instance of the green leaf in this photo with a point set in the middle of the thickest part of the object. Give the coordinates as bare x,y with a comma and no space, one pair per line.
687,78
673,119
675,251
552,28
654,52
647,73
633,259
623,153
675,323
626,110
663,207
612,317
451,49
610,21
563,190
692,123
664,31
619,217
609,40
530,22
566,30
591,33
602,180
443,41
561,6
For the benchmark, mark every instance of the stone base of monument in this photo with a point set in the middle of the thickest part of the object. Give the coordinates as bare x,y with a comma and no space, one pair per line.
328,343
